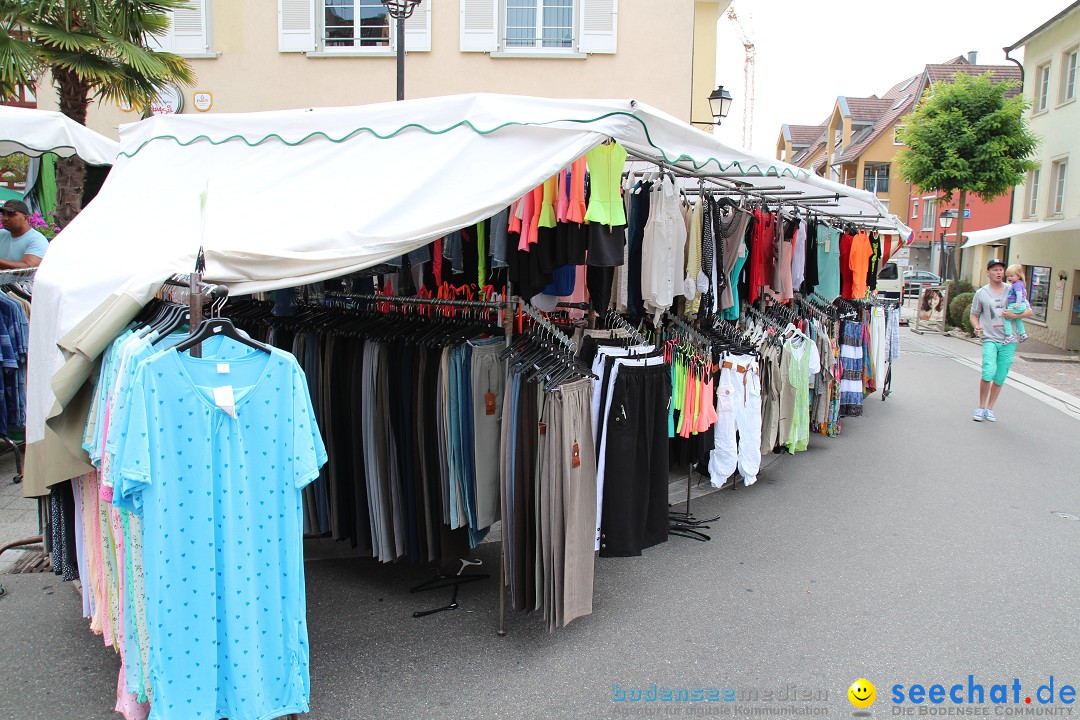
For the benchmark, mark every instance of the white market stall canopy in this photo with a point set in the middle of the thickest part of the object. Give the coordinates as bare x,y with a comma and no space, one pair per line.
284,198
36,132
981,237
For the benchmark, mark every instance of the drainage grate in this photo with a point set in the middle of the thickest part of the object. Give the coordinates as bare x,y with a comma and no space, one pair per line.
1064,515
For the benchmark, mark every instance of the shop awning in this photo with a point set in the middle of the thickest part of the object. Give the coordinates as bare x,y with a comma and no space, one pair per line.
35,132
284,198
981,237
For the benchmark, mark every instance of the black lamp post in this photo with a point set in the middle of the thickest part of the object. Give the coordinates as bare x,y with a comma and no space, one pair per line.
945,222
719,105
400,10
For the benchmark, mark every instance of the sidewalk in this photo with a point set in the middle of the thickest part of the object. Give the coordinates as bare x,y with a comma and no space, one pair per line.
18,515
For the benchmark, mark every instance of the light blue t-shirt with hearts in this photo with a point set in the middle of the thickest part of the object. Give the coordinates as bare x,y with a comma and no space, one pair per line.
222,521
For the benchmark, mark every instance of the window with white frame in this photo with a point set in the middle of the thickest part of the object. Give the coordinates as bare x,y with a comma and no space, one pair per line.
1033,178
914,208
349,27
1058,172
355,25
898,135
189,30
1068,74
537,24
929,210
542,27
1042,86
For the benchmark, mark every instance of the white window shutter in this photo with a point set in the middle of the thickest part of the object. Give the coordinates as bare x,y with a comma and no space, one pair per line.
599,26
189,28
296,25
479,25
418,28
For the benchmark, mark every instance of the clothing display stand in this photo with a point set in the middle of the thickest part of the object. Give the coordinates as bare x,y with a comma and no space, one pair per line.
518,304
685,523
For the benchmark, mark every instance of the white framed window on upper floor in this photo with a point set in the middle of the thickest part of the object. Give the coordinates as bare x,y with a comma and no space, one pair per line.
929,210
189,31
1031,198
898,135
539,28
914,208
349,28
1059,172
1042,88
1067,91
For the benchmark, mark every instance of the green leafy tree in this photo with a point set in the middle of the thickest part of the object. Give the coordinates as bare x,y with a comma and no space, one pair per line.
94,50
968,137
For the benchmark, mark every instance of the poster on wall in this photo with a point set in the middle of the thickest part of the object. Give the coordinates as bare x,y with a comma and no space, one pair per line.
930,311
1059,294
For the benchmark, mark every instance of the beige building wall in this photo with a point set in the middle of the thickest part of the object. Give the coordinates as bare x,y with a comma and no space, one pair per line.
1056,126
883,150
664,57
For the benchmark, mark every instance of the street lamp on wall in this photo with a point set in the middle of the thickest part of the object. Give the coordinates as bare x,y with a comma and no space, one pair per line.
400,10
719,106
945,222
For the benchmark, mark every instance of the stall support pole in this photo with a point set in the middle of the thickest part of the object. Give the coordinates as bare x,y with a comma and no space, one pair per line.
196,301
508,330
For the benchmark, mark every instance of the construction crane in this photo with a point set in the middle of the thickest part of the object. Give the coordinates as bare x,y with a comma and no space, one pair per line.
748,78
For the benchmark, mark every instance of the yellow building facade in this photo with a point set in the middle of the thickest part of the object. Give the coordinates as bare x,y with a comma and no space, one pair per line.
250,55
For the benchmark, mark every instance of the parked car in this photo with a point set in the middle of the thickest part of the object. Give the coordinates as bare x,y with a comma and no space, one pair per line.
888,281
915,280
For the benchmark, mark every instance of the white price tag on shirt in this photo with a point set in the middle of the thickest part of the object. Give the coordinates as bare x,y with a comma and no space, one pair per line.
223,368
223,398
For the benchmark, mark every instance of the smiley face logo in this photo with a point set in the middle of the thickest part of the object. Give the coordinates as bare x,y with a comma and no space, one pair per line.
862,693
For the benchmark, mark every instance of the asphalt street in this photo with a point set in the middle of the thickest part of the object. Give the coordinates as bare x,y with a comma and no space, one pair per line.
917,548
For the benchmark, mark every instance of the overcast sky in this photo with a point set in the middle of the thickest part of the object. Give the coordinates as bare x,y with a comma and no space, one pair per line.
810,51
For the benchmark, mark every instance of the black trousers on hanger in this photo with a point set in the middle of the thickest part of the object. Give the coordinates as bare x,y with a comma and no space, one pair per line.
635,507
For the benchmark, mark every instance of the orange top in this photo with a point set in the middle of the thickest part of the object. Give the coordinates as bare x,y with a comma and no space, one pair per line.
576,212
859,262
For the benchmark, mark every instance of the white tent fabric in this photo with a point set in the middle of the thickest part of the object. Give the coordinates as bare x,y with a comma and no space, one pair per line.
981,237
35,132
279,199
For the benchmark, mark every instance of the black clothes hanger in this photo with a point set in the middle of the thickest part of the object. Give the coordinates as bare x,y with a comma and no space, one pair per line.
218,327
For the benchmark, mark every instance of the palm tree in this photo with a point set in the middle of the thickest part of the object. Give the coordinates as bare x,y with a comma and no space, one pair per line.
94,50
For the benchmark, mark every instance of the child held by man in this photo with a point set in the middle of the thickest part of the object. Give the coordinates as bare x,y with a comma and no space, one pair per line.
1017,302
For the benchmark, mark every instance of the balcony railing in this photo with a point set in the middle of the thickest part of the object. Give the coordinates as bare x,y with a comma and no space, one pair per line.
876,185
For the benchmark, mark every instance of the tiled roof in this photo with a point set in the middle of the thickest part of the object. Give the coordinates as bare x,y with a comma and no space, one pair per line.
998,73
904,87
884,124
869,108
802,135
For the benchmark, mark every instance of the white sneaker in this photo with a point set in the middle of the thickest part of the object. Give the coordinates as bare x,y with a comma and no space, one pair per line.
979,415
989,415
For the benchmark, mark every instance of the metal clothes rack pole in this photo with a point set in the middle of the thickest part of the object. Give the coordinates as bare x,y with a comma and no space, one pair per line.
685,524
508,331
401,300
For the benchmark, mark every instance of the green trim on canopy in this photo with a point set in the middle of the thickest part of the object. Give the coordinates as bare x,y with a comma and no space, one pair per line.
754,169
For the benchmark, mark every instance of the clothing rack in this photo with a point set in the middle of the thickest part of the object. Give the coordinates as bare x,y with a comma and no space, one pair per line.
685,523
686,329
546,324
408,300
614,318
8,277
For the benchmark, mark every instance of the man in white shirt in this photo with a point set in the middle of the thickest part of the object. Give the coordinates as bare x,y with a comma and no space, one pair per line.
988,314
21,246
